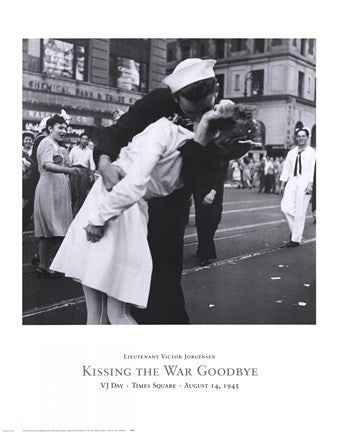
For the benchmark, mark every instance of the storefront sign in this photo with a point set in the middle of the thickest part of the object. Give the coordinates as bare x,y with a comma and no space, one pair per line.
81,90
73,131
75,119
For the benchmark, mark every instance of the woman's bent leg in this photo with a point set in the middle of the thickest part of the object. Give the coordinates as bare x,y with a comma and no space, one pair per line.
119,312
96,306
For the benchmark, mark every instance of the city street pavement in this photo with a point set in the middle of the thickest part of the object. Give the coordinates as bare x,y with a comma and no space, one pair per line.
255,279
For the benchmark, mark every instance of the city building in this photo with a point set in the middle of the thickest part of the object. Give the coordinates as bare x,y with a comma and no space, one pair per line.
93,80
278,76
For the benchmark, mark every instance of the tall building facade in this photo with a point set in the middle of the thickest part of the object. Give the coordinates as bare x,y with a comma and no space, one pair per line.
94,80
278,76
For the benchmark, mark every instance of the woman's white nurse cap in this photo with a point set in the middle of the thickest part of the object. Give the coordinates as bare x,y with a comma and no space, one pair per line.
188,72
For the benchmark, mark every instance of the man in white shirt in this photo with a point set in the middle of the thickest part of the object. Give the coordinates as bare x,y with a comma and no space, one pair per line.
81,157
298,172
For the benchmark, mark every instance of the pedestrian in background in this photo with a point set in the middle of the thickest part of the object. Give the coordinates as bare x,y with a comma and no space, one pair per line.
28,169
27,149
277,174
261,172
236,173
81,157
255,172
269,175
246,174
52,204
298,173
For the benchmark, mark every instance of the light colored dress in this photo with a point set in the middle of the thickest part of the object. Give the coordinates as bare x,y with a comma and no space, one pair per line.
52,203
120,264
236,171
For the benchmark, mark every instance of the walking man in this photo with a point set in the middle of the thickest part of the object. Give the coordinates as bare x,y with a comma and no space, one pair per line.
298,172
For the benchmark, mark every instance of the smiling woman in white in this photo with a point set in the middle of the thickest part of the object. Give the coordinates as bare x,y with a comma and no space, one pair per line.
120,264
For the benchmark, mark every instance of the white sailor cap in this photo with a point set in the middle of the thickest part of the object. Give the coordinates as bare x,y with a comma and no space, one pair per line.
188,72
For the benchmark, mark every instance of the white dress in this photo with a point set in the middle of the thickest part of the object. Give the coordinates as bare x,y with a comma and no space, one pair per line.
120,264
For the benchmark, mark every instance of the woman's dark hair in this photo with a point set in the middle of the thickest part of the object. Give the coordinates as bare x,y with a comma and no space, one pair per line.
197,90
240,127
56,119
302,129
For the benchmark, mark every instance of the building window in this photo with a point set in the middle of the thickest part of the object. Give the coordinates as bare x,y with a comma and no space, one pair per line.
300,84
63,58
202,48
129,64
171,52
221,81
311,43
303,46
260,132
295,42
276,42
257,82
219,48
66,58
315,91
259,46
185,52
237,82
34,55
309,85
238,45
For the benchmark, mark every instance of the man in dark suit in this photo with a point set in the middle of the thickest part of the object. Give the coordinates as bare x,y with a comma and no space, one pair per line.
191,91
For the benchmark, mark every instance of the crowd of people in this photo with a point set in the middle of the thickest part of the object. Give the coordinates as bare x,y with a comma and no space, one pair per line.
123,240
261,172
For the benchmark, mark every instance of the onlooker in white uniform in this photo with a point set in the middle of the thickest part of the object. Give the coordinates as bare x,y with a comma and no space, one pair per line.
298,172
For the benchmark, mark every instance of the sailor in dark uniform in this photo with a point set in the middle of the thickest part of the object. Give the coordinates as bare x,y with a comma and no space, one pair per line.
190,91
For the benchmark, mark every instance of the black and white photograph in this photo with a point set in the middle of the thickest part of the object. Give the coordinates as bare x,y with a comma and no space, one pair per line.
169,181
165,267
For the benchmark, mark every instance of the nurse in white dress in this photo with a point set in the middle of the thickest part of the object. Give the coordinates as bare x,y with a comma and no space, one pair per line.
115,270
298,172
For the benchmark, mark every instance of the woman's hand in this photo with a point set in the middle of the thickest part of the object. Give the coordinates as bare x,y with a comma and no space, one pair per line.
111,174
94,232
223,110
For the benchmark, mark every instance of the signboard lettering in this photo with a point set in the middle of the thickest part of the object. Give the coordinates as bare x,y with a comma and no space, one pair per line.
83,91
